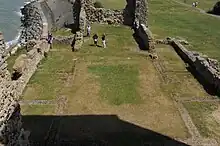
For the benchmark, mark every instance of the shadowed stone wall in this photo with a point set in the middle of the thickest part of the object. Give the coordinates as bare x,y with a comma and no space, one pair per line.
207,68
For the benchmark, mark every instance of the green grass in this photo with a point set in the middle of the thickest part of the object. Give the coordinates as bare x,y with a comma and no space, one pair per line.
203,4
118,38
11,59
199,113
113,4
62,32
50,76
168,18
118,83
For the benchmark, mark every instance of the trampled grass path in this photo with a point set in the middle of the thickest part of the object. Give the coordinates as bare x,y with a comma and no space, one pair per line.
199,9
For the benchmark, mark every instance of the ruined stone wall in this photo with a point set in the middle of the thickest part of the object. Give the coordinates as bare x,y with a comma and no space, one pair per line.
58,13
31,22
61,11
207,68
11,132
101,15
34,55
140,26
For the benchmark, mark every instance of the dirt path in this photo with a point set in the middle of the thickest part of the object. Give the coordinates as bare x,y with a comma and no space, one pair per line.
37,102
199,9
197,99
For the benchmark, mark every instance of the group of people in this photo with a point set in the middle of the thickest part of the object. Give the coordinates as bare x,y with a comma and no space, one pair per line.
95,37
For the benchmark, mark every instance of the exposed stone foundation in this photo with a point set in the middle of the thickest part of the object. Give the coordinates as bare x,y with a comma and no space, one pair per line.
207,68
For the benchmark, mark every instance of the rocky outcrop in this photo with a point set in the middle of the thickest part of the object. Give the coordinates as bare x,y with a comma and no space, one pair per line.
207,68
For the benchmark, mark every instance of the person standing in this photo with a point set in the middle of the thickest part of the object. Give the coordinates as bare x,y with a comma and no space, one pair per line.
50,40
103,41
196,4
95,38
88,30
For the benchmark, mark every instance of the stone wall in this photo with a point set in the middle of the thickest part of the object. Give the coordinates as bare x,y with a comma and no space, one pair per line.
31,22
11,132
61,11
207,68
102,15
141,29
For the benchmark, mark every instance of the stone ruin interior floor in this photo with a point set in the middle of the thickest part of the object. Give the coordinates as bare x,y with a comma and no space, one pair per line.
114,94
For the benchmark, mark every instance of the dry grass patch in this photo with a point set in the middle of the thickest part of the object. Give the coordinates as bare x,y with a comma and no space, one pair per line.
87,99
202,116
37,109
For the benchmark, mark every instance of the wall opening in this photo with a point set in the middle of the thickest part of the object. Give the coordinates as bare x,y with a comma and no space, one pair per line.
16,75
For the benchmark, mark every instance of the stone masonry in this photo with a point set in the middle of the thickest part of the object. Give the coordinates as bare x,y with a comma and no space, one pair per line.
31,21
207,68
11,132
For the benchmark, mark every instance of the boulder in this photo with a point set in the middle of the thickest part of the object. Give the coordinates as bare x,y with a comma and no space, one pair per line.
20,64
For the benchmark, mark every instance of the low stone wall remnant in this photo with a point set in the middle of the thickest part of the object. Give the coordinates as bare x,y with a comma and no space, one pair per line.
207,68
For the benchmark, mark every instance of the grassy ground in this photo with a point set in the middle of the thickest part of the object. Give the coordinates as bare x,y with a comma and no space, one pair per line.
37,109
168,18
116,80
62,32
119,82
203,4
202,115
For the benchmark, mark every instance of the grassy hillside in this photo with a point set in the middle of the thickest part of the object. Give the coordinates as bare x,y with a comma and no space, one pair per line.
203,4
168,18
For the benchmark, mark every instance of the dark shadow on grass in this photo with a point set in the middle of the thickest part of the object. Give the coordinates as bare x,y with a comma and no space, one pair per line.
215,10
93,45
88,130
